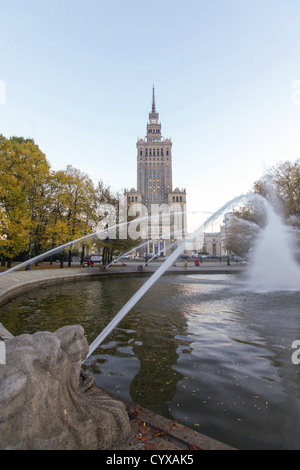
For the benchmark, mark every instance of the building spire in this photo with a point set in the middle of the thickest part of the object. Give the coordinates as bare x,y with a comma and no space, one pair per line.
153,101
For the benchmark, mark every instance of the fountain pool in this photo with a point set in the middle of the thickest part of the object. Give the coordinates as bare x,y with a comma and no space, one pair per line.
205,350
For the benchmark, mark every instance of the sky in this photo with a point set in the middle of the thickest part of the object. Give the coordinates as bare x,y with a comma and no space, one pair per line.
77,77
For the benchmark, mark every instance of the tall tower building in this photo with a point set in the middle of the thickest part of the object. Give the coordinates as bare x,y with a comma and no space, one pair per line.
154,170
154,162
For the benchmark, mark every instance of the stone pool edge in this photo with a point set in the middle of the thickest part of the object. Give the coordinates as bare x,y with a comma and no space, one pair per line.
18,282
162,434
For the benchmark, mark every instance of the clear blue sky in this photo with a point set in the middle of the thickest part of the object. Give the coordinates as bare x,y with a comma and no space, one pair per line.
78,79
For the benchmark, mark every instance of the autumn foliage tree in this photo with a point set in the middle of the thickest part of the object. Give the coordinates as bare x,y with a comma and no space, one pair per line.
41,208
284,181
281,186
23,168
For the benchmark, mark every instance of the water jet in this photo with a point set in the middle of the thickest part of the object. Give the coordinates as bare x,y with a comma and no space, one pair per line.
158,273
273,265
211,351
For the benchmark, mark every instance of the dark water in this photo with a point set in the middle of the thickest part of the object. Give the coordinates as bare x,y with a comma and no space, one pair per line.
199,349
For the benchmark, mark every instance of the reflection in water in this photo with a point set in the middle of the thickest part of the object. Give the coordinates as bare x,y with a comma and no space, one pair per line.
200,349
155,383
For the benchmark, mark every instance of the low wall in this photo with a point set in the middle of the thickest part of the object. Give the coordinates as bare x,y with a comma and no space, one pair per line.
17,283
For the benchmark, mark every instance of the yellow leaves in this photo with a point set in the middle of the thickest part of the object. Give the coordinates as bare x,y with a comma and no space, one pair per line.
285,179
43,208
22,166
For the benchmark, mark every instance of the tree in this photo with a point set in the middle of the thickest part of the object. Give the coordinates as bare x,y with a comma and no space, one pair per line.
41,209
116,244
73,202
239,235
281,186
23,168
284,181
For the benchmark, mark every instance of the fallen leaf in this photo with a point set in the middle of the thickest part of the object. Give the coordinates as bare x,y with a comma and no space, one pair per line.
193,447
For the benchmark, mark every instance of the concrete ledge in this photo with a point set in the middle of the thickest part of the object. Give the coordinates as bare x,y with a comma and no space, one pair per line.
16,283
154,432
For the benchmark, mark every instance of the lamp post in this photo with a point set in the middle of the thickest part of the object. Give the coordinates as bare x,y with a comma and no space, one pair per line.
106,255
226,238
28,267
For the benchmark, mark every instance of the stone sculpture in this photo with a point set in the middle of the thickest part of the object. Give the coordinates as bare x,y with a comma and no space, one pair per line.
46,402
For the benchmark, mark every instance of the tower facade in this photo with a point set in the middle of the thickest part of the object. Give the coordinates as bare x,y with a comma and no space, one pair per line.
154,162
154,179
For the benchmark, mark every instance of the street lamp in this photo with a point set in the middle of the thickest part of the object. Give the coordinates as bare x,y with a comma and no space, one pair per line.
28,267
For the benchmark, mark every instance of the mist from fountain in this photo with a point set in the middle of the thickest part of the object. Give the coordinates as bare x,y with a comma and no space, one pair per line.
273,264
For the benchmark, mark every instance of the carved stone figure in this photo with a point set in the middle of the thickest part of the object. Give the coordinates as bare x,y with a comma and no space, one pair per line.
47,403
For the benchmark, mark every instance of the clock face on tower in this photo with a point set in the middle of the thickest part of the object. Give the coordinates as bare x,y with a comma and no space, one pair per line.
153,121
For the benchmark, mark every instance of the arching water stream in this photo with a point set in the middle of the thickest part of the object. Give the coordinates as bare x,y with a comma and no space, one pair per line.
214,352
203,349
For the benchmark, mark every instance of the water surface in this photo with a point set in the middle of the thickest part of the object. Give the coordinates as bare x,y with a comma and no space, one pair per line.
200,349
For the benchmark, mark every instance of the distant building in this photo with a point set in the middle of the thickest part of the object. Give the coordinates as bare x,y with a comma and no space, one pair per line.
213,244
155,186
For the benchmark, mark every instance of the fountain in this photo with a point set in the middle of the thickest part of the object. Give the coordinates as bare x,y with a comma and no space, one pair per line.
158,273
98,234
273,265
219,332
